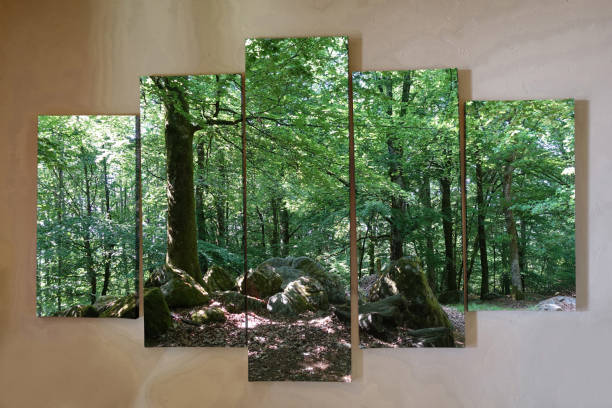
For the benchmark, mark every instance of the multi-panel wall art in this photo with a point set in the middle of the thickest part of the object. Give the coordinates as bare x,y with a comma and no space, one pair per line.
520,212
87,219
192,210
244,209
408,208
298,201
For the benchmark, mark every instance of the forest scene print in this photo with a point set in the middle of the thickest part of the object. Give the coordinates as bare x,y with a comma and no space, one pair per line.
298,209
193,235
87,216
408,201
520,180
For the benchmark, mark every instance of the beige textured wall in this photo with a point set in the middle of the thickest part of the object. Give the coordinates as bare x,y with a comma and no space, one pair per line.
83,57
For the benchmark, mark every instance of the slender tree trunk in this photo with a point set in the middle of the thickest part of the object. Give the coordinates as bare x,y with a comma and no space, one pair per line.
523,246
447,227
275,241
91,273
284,230
482,239
396,156
108,246
182,252
220,204
60,240
515,269
262,225
430,258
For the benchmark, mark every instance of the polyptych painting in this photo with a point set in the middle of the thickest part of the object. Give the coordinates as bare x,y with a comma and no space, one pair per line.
87,218
408,208
298,209
192,210
520,186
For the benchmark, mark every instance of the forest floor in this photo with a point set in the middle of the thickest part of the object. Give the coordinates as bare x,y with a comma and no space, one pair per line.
309,347
230,333
402,339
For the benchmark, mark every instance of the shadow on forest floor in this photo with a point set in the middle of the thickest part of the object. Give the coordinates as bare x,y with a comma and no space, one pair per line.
230,333
309,347
404,337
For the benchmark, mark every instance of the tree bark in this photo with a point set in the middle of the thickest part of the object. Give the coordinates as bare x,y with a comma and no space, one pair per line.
91,273
182,250
430,258
108,246
284,230
447,227
275,241
482,239
263,229
515,269
396,156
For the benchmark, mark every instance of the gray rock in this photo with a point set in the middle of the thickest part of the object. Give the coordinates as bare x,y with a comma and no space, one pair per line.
557,304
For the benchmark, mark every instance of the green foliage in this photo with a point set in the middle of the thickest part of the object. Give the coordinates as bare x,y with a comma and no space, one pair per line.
406,142
214,103
297,150
81,159
537,139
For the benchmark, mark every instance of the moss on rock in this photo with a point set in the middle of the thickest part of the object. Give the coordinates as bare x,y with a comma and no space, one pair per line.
218,279
181,290
157,318
208,315
423,308
234,302
124,307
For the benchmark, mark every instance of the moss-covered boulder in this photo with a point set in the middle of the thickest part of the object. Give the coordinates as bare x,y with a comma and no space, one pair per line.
383,316
260,283
81,311
299,296
218,279
290,269
157,318
382,287
207,315
111,306
234,302
181,290
423,308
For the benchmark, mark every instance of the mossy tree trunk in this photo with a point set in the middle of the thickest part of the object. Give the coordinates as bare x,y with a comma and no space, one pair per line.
515,269
182,252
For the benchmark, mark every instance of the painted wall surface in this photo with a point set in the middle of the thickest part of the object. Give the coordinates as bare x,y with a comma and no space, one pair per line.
84,57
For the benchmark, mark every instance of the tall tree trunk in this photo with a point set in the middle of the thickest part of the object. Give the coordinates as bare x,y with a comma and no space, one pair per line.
515,269
284,230
523,246
182,252
482,239
447,227
396,157
60,240
262,225
108,246
430,258
91,273
275,241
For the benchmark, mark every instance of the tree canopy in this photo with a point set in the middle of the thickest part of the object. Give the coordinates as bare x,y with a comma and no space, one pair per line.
86,210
